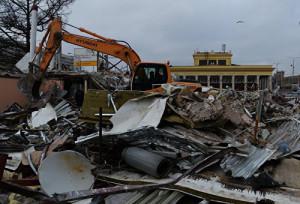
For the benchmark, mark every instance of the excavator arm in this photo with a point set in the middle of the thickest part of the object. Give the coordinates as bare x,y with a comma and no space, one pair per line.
145,75
55,35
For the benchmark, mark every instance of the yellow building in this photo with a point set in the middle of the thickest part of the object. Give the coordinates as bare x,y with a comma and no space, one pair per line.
216,69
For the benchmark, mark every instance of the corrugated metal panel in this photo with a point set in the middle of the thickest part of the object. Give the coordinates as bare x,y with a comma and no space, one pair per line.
246,166
288,134
146,197
283,142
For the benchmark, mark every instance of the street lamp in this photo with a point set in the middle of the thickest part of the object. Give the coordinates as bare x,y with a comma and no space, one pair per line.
293,65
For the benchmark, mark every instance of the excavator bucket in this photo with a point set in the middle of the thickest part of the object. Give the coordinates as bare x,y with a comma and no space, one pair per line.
30,85
35,90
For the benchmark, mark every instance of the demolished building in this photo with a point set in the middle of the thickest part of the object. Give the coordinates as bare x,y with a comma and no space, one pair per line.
202,145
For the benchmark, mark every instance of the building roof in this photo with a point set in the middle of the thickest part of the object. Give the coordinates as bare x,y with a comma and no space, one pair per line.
235,70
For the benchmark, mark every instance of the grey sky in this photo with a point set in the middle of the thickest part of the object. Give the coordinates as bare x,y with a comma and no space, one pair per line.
161,30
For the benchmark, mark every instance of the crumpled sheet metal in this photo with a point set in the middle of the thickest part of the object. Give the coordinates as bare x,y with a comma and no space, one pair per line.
211,189
42,116
246,166
135,114
288,134
157,196
64,109
165,141
65,171
138,113
197,136
283,142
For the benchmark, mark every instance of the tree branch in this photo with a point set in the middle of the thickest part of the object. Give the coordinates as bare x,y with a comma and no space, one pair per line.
7,35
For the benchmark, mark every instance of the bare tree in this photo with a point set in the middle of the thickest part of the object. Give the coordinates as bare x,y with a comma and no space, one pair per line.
15,21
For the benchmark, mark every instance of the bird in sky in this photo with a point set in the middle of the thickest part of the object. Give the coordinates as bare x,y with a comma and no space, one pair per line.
240,21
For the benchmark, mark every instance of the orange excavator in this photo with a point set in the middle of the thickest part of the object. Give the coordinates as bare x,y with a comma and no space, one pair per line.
145,75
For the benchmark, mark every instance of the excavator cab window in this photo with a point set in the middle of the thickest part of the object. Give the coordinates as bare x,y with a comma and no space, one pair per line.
148,76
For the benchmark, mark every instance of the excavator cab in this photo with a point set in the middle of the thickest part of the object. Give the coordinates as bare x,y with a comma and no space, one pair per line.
148,76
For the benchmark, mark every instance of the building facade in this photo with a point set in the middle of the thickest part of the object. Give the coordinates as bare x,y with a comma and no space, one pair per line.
216,69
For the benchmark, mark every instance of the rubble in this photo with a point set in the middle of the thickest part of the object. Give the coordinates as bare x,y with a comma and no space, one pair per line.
212,145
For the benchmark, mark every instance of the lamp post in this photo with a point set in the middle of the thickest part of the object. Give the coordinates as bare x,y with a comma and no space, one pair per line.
293,70
293,67
293,64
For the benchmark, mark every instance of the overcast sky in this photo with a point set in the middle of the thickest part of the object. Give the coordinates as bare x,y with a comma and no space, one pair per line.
161,30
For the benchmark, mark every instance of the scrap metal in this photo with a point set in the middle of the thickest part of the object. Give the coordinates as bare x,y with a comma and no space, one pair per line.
67,170
146,161
246,166
199,166
184,127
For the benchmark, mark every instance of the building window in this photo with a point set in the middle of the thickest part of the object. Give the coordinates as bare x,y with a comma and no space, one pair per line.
202,79
214,79
212,62
227,79
202,62
221,62
191,78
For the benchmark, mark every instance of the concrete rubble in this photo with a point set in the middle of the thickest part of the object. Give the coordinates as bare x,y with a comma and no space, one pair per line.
180,146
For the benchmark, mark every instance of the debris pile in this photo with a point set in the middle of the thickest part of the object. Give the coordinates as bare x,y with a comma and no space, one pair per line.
181,145
110,80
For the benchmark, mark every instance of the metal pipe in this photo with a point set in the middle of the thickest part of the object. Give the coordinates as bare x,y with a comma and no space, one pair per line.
146,161
172,155
111,100
100,136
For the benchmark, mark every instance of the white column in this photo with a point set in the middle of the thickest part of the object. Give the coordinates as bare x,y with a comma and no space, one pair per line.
233,82
196,78
221,82
245,83
270,83
257,82
208,80
183,77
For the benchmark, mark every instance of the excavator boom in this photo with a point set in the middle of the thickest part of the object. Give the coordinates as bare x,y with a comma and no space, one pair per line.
145,75
103,45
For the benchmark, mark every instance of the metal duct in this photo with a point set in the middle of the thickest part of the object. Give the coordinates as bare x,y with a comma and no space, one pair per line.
146,161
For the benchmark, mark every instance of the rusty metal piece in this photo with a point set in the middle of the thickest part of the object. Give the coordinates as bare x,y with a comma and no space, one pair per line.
65,171
258,115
